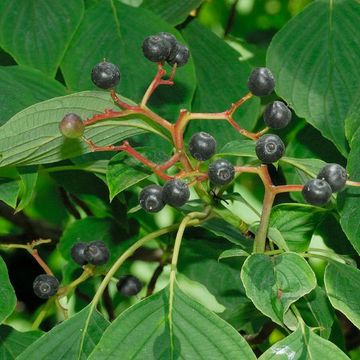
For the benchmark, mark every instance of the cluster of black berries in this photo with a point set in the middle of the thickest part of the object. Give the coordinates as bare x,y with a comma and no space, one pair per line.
331,178
269,148
94,253
175,192
163,47
97,253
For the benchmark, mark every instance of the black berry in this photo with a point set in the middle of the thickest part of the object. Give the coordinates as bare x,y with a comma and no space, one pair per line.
277,115
105,75
317,192
335,175
96,253
156,48
78,253
45,286
176,192
151,198
179,56
221,172
129,285
269,148
71,126
202,146
170,38
261,82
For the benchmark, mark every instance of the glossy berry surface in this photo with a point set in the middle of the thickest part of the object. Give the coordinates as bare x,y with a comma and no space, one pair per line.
151,198
317,192
261,82
179,56
156,48
269,148
78,253
202,146
176,192
170,38
45,286
277,115
221,172
129,285
335,175
96,253
71,126
105,75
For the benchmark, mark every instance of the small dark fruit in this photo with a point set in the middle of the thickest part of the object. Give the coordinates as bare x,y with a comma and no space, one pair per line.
71,126
45,286
277,115
202,146
261,82
317,192
221,172
179,56
157,48
96,253
269,148
151,198
105,75
335,175
78,253
129,285
176,192
170,38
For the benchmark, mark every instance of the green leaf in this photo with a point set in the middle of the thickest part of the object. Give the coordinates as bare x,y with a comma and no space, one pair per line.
174,12
316,311
352,121
28,179
310,69
36,33
121,30
124,172
143,332
303,344
199,261
13,342
275,235
7,293
67,340
274,283
233,253
21,87
33,137
341,283
222,228
221,80
308,168
348,199
9,191
296,223
242,147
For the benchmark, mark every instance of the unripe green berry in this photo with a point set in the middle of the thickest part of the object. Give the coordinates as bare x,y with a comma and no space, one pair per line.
71,126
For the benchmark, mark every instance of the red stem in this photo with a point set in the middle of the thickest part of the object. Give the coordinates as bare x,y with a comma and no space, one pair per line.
41,262
157,81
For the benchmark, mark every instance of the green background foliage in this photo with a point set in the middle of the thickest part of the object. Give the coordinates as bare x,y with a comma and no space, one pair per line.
227,303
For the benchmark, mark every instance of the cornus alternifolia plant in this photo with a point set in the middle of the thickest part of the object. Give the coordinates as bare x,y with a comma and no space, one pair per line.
179,230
